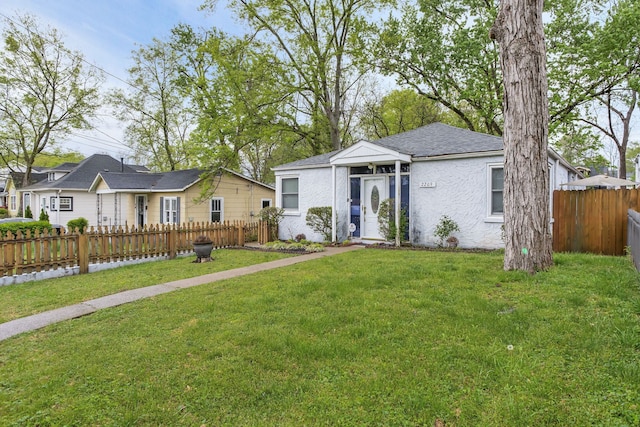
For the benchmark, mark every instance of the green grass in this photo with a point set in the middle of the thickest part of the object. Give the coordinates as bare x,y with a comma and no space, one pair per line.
38,296
369,337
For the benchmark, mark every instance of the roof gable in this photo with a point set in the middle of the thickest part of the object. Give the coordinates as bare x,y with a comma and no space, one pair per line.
366,152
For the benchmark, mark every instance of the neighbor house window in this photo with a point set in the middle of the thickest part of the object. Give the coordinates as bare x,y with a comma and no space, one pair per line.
496,190
12,202
290,193
66,203
170,210
217,209
265,203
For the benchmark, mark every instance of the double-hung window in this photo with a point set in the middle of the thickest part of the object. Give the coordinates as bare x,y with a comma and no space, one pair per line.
290,194
65,203
170,210
496,190
217,209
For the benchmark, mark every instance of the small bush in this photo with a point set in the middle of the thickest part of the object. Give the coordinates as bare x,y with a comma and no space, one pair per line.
319,220
43,215
387,220
15,227
28,213
300,237
78,223
272,216
4,213
445,227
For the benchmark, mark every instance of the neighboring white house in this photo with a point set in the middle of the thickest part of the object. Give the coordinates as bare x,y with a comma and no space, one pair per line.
64,194
443,170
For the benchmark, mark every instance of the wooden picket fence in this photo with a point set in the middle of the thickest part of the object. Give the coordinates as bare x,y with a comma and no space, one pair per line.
44,251
593,221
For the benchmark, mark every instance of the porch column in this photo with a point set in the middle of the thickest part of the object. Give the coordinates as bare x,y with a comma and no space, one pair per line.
397,203
333,204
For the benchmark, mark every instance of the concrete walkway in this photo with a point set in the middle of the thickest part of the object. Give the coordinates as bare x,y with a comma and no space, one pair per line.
40,320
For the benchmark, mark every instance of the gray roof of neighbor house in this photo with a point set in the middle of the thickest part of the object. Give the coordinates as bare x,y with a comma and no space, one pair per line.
436,139
161,181
34,178
63,167
82,176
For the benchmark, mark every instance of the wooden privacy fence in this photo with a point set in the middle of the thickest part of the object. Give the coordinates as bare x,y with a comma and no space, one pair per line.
27,253
593,221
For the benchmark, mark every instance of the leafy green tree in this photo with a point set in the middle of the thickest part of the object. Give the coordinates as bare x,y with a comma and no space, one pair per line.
443,52
318,43
47,91
57,156
235,84
158,120
399,111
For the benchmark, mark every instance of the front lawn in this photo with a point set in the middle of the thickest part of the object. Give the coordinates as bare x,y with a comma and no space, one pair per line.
38,296
370,337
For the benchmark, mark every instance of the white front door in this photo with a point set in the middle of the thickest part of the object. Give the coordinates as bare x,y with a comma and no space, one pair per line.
374,192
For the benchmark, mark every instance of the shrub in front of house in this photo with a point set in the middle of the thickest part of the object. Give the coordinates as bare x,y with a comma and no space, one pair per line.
43,215
4,213
319,220
15,227
387,220
272,216
78,223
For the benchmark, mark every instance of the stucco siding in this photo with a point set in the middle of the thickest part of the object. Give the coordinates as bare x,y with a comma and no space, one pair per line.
314,190
461,193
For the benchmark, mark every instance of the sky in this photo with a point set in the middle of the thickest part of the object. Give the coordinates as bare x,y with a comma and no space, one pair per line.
105,32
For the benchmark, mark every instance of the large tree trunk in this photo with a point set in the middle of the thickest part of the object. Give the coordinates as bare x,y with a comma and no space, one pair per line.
518,29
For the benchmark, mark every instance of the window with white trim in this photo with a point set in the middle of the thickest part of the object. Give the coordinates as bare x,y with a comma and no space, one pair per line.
496,190
217,209
265,203
289,188
66,203
170,210
13,201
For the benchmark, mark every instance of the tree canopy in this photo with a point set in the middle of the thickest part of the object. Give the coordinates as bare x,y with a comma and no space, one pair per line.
47,92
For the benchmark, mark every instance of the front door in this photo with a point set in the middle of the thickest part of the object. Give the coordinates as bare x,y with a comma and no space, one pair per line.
141,210
373,193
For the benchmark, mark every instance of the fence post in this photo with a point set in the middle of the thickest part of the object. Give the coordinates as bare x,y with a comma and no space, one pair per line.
173,242
83,251
240,227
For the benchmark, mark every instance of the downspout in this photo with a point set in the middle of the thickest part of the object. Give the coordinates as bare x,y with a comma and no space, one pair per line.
398,202
333,204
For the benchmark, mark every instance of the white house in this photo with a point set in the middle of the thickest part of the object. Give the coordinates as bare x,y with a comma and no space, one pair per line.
442,170
64,193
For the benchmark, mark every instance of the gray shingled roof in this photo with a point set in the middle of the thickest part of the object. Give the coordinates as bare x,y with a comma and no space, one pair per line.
164,181
436,139
82,176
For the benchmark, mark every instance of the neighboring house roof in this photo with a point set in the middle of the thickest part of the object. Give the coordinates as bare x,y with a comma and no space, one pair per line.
82,176
34,178
136,181
64,167
157,182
